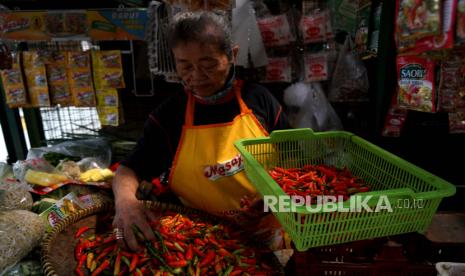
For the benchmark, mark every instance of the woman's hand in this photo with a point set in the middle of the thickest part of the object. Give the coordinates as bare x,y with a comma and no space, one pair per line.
131,214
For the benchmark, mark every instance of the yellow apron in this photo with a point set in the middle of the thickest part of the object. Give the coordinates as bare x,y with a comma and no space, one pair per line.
207,171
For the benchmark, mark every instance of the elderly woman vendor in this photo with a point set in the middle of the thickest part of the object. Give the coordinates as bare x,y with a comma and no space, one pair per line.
193,133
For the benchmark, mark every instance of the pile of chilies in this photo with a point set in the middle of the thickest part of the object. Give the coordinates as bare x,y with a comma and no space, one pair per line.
318,180
182,247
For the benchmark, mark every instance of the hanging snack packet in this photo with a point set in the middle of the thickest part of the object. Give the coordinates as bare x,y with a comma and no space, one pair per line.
83,96
275,30
13,86
57,58
395,119
278,70
109,78
316,67
415,76
108,116
449,85
37,86
58,84
78,59
417,19
313,27
80,77
32,60
445,38
457,121
107,59
107,97
460,23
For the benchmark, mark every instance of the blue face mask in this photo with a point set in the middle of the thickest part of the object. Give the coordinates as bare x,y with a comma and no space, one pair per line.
220,93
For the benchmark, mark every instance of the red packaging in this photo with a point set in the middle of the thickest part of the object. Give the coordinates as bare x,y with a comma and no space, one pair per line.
445,40
415,78
457,121
395,119
278,70
313,27
316,67
449,85
275,30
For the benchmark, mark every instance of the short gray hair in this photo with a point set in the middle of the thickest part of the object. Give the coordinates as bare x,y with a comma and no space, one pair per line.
201,26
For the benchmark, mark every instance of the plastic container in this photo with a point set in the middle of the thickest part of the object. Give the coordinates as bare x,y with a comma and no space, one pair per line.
413,193
450,269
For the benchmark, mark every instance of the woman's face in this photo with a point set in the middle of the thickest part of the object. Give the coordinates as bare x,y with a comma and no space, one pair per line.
203,67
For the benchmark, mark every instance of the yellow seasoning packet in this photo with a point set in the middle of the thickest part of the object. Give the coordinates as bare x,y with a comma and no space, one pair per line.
83,96
13,86
107,59
80,77
108,116
39,96
32,60
37,86
107,97
78,59
109,78
58,58
60,94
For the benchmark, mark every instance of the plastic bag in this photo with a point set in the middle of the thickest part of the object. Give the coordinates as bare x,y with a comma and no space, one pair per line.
6,171
309,108
350,80
97,148
14,195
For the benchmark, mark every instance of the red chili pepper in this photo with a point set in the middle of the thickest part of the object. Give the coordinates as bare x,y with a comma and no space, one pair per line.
208,258
199,242
81,231
78,250
180,263
198,252
180,255
134,261
101,268
223,252
189,253
105,252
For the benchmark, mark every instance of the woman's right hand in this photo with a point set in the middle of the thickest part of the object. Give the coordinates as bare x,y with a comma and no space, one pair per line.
131,214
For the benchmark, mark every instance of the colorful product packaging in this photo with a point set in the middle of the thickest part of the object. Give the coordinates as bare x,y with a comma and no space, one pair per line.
278,70
13,86
36,78
80,79
107,69
395,119
108,115
275,30
316,67
66,206
457,121
313,27
416,82
107,97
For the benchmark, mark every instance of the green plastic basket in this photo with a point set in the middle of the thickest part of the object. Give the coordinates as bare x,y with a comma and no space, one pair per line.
413,193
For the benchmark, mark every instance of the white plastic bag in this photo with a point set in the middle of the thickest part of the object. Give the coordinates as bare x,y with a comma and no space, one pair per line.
96,148
309,108
350,80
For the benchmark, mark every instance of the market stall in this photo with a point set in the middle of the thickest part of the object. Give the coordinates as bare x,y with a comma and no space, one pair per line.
373,96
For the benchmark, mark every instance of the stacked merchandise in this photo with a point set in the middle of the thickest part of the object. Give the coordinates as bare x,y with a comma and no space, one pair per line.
430,63
43,78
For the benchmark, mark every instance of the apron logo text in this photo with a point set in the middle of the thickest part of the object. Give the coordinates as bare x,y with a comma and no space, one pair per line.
227,168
